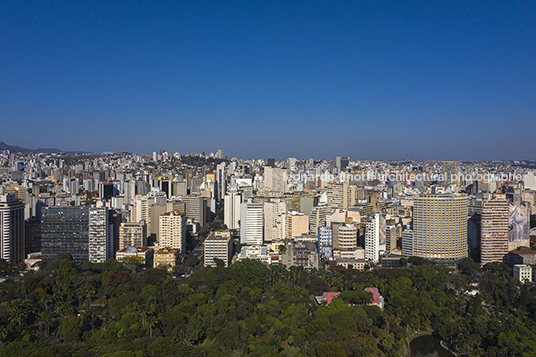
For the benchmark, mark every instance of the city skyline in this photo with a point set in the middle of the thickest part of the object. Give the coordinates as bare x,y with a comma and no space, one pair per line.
372,81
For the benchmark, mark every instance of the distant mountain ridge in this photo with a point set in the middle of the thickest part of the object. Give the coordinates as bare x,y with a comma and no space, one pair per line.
4,146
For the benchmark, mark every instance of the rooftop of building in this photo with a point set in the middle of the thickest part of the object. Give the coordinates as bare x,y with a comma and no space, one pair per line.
133,250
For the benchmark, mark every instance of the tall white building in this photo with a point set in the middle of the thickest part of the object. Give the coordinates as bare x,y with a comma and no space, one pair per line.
11,229
100,235
231,209
273,221
218,245
375,238
172,232
251,223
139,210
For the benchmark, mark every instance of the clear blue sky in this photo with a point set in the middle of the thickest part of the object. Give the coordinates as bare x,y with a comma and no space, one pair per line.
372,80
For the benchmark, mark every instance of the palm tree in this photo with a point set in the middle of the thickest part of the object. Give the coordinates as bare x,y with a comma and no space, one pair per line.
151,322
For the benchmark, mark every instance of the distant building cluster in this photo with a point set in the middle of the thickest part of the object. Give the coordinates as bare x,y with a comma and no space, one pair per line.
306,213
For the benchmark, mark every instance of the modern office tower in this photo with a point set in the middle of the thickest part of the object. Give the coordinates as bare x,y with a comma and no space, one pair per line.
523,273
494,230
221,180
32,235
164,184
450,170
440,226
196,209
275,179
295,224
325,242
65,230
345,236
231,209
106,190
173,231
139,210
273,221
392,234
341,163
11,229
375,238
100,235
218,245
317,218
407,243
132,235
251,223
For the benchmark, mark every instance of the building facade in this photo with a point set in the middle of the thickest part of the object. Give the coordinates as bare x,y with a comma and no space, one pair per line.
440,226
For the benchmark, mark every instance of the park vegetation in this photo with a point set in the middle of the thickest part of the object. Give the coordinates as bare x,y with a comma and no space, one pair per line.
115,309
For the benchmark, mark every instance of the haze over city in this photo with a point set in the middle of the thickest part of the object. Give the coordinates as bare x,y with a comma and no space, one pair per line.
373,80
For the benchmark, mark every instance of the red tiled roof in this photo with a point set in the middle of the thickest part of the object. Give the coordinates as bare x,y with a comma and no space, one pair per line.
330,296
375,295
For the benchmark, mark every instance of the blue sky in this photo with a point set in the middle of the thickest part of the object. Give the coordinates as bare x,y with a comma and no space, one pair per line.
367,79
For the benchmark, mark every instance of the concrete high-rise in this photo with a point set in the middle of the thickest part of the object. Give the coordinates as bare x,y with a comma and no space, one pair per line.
218,245
221,180
275,179
100,235
494,230
440,226
251,223
11,229
231,209
273,221
132,235
65,230
173,231
375,240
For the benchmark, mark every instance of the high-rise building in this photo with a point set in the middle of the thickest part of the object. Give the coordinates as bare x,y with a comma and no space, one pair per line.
375,240
273,221
100,235
65,230
196,209
251,223
407,243
295,224
132,235
221,180
11,229
218,245
275,179
317,218
231,209
140,209
494,230
440,226
173,231
345,236
450,171
325,242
